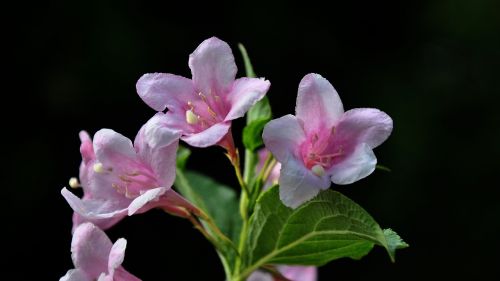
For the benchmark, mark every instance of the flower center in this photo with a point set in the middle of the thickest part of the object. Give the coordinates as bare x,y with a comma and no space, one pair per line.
129,183
205,111
319,152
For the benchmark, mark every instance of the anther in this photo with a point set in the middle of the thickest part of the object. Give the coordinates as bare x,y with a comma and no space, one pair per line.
318,170
191,118
99,168
74,183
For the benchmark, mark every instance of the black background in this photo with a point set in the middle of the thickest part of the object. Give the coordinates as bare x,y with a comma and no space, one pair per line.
433,66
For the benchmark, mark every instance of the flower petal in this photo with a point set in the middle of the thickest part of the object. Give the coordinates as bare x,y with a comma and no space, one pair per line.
213,67
359,164
105,277
245,93
298,184
90,250
173,203
157,145
209,136
94,209
161,90
283,137
112,148
260,275
75,275
364,125
318,104
299,273
86,148
122,275
117,254
148,196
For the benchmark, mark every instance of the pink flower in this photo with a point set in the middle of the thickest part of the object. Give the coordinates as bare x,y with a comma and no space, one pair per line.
119,179
322,143
293,273
95,257
274,175
202,108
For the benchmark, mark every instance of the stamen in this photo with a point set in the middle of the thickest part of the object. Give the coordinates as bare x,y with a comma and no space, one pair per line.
74,183
318,170
117,187
203,97
125,179
214,115
98,168
191,118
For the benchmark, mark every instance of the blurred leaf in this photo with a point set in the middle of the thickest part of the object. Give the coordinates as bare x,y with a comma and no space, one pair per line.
220,203
210,196
183,154
328,227
383,168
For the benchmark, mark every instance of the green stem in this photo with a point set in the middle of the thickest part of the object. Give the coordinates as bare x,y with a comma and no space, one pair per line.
243,233
251,159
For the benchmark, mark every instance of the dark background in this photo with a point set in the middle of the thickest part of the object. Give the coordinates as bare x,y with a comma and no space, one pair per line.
431,65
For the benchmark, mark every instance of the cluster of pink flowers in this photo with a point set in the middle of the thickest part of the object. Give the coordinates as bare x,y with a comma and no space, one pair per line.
319,145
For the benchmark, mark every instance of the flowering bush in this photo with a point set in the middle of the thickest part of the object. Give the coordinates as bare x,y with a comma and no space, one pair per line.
287,220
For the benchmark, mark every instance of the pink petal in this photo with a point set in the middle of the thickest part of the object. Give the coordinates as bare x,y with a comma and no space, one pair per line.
213,67
157,145
364,125
117,254
155,134
123,275
359,164
260,275
299,273
112,149
86,148
148,196
283,137
173,203
103,213
318,104
101,223
245,93
75,275
273,177
208,137
105,277
90,250
298,184
160,90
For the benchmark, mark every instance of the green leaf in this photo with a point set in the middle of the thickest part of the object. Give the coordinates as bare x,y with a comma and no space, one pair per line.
220,203
217,200
260,111
394,242
257,118
328,227
252,134
246,60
